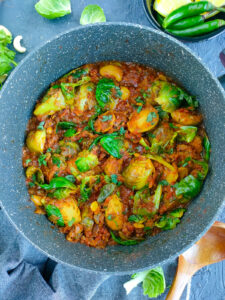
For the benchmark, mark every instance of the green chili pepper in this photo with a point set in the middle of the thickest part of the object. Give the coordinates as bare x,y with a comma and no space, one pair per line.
199,29
189,10
188,22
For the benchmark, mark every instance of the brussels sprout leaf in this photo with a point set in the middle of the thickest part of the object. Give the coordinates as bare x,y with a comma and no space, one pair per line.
92,14
52,210
52,9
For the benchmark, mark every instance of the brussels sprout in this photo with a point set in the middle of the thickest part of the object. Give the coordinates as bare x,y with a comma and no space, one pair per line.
69,148
84,99
207,148
189,187
86,220
113,166
172,173
170,220
187,133
35,174
105,122
144,120
145,204
51,104
86,187
36,141
160,138
205,168
167,95
61,193
63,211
112,144
186,117
137,172
86,161
114,213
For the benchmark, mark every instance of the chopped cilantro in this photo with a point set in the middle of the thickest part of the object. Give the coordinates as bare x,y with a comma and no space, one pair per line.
41,125
151,116
70,132
139,109
41,160
56,161
173,126
106,118
139,100
114,179
164,182
27,161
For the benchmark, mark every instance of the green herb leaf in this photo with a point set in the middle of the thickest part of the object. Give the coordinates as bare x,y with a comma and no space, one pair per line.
27,161
106,118
207,148
106,191
104,91
41,160
173,126
140,100
139,108
124,242
52,9
122,131
66,125
41,125
85,189
58,182
164,182
112,145
162,114
70,132
56,161
79,73
135,218
151,116
114,179
92,14
70,178
52,210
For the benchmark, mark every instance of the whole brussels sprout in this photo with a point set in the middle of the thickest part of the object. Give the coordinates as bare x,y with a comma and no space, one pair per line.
114,212
86,161
36,141
137,172
144,120
51,104
167,95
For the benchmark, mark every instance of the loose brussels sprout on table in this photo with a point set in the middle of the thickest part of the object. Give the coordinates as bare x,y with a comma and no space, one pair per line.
114,153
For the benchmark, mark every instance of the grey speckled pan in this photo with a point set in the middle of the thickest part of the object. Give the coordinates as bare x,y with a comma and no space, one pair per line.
125,42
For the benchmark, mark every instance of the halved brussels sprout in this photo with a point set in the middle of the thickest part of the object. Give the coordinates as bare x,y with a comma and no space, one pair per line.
137,172
63,212
35,174
86,220
144,120
51,104
105,122
86,161
166,95
187,117
69,148
114,212
145,204
84,99
36,141
160,138
111,71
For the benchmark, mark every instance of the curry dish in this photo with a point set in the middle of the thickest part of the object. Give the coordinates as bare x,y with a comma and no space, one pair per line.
114,153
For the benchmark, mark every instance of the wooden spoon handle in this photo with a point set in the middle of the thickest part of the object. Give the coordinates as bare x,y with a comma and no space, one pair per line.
183,275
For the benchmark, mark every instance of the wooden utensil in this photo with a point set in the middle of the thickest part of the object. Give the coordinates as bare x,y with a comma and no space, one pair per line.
208,250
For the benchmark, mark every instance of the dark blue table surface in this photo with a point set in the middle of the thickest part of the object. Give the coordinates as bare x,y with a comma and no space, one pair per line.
21,18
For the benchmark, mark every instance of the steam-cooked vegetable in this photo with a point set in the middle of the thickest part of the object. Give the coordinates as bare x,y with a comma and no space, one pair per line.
137,172
114,212
51,104
106,191
189,187
144,120
187,117
187,133
92,13
112,71
113,145
170,220
52,9
86,161
36,141
153,282
84,99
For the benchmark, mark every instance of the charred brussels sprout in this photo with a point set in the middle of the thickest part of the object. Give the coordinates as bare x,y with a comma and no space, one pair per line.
86,161
36,141
51,104
137,172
